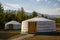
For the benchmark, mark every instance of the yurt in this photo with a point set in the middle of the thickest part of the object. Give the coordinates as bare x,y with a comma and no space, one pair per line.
38,25
12,25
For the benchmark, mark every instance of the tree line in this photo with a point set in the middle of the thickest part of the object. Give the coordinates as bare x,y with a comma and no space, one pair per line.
19,15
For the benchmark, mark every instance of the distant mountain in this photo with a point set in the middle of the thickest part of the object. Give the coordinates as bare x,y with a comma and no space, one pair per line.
49,16
52,16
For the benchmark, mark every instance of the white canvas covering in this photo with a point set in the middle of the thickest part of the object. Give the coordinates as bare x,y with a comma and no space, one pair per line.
43,25
16,25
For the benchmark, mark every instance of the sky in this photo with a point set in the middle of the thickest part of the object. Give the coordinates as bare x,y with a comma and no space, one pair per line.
51,7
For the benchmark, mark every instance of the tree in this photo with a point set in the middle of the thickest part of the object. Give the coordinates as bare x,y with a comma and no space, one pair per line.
1,16
34,14
21,15
1,8
46,17
42,15
9,15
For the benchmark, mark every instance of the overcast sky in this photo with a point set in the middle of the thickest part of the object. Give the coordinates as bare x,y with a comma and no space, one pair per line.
51,7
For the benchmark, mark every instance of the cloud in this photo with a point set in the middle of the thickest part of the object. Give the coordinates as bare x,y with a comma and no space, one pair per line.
6,7
58,0
11,6
41,0
55,5
46,0
38,0
54,11
49,2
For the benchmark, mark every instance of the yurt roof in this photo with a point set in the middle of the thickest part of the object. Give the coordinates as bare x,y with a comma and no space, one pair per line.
13,22
39,19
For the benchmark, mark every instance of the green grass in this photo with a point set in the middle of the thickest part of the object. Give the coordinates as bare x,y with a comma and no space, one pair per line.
16,36
7,35
4,35
43,37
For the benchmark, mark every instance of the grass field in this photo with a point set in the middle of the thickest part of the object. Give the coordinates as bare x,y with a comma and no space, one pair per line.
43,37
7,35
47,37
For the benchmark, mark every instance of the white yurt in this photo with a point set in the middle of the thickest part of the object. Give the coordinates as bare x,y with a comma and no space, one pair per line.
38,25
12,25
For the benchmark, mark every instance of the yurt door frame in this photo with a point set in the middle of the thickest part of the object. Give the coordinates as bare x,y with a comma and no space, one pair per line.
11,26
32,27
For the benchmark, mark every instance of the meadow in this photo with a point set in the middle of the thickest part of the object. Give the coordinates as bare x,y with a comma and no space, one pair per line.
10,34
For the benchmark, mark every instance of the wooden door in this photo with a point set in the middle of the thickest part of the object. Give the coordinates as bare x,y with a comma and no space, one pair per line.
32,27
11,26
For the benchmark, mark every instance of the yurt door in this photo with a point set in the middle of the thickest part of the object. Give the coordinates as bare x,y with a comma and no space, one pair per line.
10,26
32,27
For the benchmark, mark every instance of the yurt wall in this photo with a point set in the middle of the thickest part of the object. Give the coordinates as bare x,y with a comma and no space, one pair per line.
44,26
24,28
16,26
6,27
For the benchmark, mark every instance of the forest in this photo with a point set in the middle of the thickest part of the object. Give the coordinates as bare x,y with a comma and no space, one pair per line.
17,15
